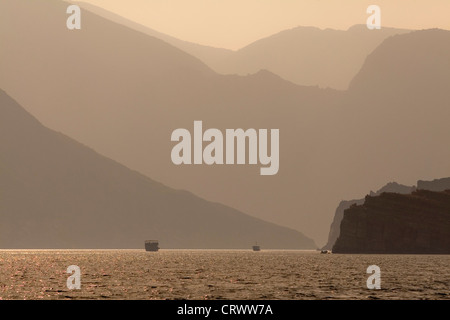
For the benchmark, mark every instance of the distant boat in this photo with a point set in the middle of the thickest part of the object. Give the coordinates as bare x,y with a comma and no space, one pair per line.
151,245
256,247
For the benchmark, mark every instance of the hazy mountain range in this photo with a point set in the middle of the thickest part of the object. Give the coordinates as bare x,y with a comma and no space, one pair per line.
57,193
122,93
304,55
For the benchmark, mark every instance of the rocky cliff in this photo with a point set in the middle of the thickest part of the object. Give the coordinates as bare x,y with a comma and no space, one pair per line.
339,214
417,223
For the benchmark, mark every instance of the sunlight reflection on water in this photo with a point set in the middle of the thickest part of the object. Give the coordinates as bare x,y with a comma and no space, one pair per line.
219,274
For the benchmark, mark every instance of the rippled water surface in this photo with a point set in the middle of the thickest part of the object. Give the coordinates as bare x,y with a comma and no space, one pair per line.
220,274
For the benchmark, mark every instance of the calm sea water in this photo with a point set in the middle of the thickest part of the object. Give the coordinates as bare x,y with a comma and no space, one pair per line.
219,274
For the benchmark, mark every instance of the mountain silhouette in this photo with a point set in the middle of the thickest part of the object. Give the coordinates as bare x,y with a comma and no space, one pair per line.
308,55
57,193
123,92
304,55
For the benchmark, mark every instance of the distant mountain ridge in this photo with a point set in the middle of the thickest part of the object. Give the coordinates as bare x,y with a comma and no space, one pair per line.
57,193
309,56
306,56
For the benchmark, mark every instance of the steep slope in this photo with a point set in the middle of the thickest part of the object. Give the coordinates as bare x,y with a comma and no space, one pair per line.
57,193
310,56
391,187
417,223
424,65
209,55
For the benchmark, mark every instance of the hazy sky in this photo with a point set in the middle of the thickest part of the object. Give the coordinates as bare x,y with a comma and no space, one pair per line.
235,23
